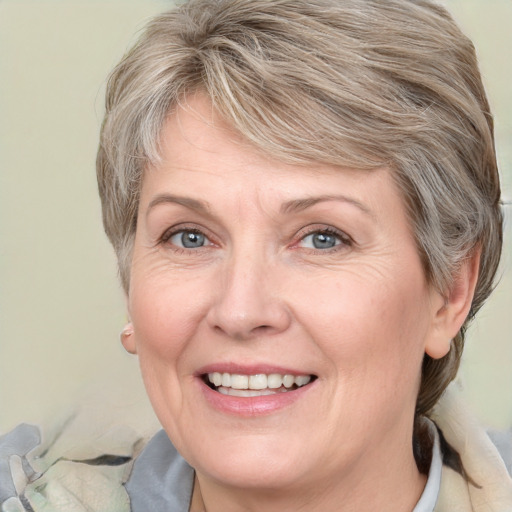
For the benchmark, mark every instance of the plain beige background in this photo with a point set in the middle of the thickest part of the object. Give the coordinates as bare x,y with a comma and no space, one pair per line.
61,307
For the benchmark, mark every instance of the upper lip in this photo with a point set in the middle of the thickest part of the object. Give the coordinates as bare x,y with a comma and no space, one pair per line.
251,369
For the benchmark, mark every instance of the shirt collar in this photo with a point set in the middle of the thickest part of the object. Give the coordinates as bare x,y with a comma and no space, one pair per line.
431,492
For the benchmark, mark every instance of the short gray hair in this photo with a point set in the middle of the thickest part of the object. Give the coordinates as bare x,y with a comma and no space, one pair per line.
360,83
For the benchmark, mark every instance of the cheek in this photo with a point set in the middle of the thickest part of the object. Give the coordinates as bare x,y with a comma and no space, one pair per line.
165,309
372,331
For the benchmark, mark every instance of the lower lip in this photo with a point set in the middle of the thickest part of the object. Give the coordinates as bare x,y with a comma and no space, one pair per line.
254,405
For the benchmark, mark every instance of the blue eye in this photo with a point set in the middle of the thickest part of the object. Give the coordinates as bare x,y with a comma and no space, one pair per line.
189,239
321,240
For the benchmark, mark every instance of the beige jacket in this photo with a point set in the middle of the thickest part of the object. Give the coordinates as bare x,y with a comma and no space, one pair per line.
480,459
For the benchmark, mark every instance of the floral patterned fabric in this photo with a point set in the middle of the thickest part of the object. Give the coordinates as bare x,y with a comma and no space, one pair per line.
72,468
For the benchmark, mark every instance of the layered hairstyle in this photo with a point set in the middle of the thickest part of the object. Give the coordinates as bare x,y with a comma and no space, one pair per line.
359,83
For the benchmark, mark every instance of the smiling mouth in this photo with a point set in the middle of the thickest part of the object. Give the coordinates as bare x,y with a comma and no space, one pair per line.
260,384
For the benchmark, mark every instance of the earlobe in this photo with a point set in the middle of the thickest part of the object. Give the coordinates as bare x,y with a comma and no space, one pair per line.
127,338
453,308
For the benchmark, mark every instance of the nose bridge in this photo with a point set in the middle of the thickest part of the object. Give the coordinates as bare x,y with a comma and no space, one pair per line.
248,302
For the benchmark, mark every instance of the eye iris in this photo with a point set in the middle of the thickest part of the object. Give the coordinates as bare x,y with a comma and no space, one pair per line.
323,241
191,240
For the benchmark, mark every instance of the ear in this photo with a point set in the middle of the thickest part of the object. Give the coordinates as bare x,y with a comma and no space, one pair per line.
450,310
128,338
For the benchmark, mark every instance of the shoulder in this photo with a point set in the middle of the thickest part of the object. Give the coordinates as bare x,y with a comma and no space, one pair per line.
161,479
71,467
503,442
485,458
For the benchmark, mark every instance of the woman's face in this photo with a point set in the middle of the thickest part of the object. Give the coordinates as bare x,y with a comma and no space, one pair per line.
302,283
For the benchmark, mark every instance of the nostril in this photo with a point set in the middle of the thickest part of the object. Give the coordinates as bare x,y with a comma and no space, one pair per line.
241,335
243,318
263,328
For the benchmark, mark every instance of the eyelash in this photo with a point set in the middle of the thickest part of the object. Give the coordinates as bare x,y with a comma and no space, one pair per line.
344,239
166,237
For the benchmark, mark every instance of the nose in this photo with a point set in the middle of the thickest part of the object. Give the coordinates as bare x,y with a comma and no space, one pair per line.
248,303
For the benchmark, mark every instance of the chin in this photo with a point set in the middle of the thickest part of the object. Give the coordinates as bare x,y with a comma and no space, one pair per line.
252,472
262,461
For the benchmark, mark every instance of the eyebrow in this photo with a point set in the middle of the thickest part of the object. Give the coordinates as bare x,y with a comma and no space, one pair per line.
293,206
298,205
188,202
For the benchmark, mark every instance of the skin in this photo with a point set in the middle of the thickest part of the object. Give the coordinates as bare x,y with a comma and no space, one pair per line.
359,316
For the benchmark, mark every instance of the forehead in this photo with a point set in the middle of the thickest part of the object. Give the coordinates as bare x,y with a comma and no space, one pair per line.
195,128
204,160
195,131
284,144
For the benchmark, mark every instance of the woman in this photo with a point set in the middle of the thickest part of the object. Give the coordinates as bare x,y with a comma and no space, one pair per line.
304,202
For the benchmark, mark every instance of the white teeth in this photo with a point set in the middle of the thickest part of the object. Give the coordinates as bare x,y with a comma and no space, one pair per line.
302,380
245,392
258,381
258,384
215,378
288,381
239,381
274,381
